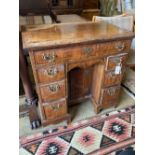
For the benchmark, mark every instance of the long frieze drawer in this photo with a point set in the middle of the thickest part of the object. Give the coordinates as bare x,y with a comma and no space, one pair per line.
55,110
113,47
53,91
64,54
50,74
110,93
111,78
116,62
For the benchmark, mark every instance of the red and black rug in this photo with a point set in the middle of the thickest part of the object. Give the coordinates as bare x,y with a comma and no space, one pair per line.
100,135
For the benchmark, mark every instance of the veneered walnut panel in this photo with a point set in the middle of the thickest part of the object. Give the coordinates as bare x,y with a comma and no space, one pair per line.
50,74
73,33
110,78
110,93
53,91
76,82
80,77
79,83
55,110
78,45
97,82
116,60
113,47
84,64
64,54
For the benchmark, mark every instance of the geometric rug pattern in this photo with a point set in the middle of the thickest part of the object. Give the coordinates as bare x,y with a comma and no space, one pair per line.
102,134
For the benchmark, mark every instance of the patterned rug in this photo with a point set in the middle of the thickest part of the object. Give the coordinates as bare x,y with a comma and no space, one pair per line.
107,134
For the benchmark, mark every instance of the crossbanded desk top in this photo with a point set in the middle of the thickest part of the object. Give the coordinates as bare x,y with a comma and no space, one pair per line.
72,33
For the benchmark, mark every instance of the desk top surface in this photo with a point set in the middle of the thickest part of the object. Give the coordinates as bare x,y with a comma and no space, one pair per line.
72,33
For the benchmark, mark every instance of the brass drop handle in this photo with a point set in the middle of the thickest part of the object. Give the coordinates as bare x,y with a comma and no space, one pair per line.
46,57
54,88
49,57
119,46
52,72
88,50
112,75
55,107
111,92
117,60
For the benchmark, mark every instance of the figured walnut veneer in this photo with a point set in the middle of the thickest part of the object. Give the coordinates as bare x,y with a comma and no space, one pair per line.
74,62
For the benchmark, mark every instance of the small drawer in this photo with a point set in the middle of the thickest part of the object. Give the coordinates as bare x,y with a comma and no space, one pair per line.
55,110
50,74
113,47
110,93
63,54
111,78
116,62
53,91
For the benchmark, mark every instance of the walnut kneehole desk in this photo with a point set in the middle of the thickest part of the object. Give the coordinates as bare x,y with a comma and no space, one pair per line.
75,62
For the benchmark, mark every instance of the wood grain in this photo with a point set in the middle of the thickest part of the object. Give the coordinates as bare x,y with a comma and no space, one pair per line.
56,109
50,74
53,91
86,56
67,34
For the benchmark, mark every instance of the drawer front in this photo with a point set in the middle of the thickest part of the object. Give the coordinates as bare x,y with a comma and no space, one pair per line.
55,109
113,47
110,93
50,74
64,54
53,91
116,62
111,78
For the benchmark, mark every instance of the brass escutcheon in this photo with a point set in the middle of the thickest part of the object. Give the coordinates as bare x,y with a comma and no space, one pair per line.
88,50
55,107
49,57
52,72
54,88
119,46
111,91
